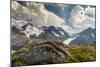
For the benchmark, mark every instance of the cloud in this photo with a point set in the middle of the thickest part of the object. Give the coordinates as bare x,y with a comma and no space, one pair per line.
38,13
68,29
82,18
90,11
45,17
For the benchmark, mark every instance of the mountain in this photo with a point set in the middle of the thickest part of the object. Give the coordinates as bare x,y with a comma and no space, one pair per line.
44,33
53,33
57,31
86,36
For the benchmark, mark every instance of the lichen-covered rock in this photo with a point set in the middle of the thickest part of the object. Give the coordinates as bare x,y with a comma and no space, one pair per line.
43,54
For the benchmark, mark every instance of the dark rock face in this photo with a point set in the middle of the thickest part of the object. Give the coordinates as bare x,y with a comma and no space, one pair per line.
18,41
43,54
53,33
14,29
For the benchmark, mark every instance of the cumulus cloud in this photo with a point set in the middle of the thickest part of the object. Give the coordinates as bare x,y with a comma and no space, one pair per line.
45,17
37,13
90,11
68,29
82,18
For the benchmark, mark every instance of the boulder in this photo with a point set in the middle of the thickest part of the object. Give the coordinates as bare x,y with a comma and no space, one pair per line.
43,54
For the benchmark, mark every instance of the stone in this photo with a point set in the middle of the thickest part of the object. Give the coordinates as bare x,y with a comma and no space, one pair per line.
43,54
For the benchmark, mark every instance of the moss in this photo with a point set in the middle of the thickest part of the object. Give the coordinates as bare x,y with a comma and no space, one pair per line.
17,60
79,53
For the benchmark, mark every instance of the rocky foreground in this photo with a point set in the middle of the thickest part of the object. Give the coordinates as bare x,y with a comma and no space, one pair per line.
30,51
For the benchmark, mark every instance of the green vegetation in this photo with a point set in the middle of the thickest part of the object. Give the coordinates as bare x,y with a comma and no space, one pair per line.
79,53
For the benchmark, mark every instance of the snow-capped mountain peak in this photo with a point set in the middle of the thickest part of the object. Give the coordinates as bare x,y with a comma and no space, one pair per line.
30,30
86,36
61,32
55,34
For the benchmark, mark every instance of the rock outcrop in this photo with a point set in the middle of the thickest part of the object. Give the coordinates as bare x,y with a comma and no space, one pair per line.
32,51
43,54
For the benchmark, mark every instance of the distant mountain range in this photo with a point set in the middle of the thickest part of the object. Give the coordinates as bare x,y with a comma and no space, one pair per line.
87,36
57,34
46,33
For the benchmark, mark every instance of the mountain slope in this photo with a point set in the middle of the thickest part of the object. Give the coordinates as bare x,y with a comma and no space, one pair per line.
53,33
86,36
